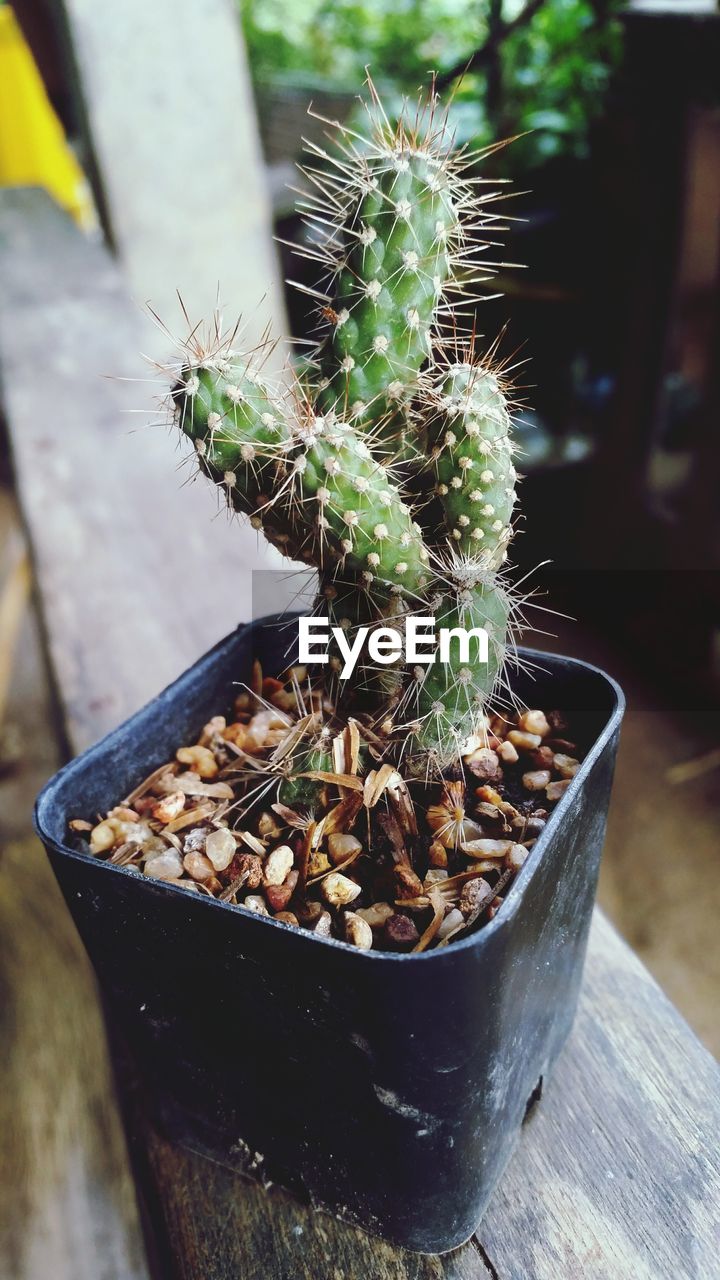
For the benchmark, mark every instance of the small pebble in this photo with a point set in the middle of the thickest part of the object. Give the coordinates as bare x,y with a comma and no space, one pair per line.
123,814
435,876
287,917
235,733
524,741
211,730
484,865
255,903
199,867
264,730
407,883
152,847
278,895
338,890
437,854
308,913
323,925
475,894
358,931
541,758
555,790
170,807
200,759
220,848
515,857
340,847
102,837
535,722
377,914
278,863
492,829
318,863
195,840
166,866
400,933
488,795
452,921
528,828
536,780
507,752
566,766
249,866
485,765
267,826
486,848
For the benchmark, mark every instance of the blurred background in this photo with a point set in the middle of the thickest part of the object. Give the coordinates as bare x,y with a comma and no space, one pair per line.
167,133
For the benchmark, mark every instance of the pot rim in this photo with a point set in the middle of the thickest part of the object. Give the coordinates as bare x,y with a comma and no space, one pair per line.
512,902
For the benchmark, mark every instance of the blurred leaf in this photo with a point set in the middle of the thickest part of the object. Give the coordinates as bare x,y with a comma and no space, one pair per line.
555,70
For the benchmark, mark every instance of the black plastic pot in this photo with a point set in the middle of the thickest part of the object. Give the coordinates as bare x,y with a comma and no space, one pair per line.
389,1089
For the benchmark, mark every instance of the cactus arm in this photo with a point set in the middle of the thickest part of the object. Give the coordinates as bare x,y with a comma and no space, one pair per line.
311,482
387,289
471,450
239,428
448,700
229,412
360,511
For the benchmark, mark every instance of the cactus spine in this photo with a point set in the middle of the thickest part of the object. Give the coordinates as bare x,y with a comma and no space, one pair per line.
331,471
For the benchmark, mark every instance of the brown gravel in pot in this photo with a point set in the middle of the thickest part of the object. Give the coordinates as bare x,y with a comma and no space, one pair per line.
363,855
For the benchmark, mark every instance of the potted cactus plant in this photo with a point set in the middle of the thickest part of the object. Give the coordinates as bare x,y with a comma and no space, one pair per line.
341,921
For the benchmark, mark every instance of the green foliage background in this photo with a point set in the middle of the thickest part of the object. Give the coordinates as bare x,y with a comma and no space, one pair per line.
555,70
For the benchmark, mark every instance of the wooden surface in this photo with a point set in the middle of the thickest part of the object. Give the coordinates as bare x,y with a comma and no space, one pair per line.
125,542
164,94
617,1172
67,1201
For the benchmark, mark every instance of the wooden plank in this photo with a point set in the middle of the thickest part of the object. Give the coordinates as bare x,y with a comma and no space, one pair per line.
165,96
616,1172
67,1202
123,552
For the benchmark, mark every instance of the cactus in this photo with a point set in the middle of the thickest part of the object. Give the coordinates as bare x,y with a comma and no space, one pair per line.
448,699
390,468
400,221
471,451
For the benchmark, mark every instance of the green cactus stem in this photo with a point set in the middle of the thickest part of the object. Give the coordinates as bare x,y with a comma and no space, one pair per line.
471,450
399,228
448,700
361,510
313,483
317,465
225,405
386,292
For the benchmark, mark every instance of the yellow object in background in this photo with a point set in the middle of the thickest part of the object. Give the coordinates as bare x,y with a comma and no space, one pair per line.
33,148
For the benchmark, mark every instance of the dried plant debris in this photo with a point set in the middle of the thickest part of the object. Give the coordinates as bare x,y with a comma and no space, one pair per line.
281,810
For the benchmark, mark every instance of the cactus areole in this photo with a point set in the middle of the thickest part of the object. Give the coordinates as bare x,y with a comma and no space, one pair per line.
389,465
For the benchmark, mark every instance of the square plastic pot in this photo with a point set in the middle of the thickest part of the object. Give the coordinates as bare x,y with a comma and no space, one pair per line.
389,1089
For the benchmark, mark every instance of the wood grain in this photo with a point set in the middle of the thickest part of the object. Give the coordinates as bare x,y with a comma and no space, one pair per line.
164,96
67,1203
616,1172
135,575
